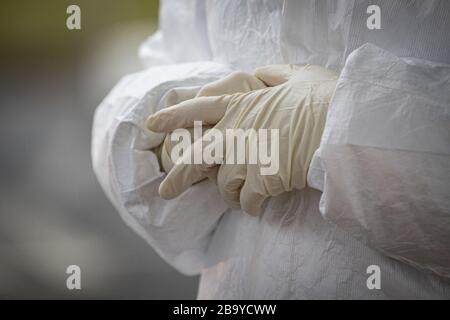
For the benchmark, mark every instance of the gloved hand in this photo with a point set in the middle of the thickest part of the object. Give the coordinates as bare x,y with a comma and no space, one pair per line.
234,83
295,102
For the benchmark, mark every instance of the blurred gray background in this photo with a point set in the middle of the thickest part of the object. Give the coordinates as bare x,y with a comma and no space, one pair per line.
52,210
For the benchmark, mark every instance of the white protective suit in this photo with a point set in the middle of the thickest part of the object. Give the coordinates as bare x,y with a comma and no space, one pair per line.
294,250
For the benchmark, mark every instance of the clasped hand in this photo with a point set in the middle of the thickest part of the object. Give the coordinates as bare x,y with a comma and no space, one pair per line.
291,99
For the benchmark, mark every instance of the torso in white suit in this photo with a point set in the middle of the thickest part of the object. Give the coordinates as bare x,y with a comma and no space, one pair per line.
291,251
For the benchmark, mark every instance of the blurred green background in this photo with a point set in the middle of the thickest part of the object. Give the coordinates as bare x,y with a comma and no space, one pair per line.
39,26
52,210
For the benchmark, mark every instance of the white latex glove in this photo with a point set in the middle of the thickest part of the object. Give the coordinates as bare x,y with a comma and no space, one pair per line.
233,83
295,103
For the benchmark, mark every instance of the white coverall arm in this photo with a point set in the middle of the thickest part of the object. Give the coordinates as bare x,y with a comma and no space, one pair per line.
179,230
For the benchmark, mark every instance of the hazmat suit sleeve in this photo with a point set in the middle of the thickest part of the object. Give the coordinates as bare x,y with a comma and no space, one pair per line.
179,230
385,156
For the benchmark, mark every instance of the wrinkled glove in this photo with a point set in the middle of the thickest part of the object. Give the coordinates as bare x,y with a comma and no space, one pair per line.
236,82
295,102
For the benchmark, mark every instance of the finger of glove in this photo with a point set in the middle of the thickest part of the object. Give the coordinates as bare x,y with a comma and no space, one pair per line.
179,179
230,179
177,95
209,110
251,201
276,74
187,172
236,82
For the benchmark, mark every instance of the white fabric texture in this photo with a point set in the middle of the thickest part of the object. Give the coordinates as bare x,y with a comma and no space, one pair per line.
129,172
252,33
182,34
386,156
291,251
